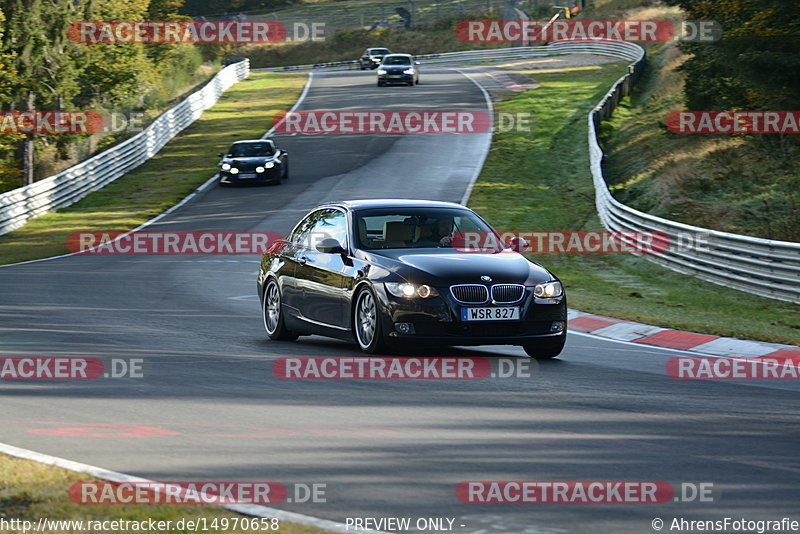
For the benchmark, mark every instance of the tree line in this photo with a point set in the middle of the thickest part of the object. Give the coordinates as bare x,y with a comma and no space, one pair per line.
41,69
756,63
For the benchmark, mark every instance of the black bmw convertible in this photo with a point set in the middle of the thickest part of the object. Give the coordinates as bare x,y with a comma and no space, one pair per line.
385,273
256,161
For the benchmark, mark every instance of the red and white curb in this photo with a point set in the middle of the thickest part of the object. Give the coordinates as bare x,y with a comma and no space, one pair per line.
620,330
504,80
253,510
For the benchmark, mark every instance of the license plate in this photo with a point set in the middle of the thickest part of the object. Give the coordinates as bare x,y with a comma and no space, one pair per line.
395,76
247,176
507,313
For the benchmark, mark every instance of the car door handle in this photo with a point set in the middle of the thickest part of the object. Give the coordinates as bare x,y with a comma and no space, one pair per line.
302,260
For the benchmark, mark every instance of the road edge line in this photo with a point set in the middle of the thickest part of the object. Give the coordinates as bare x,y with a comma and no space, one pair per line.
490,108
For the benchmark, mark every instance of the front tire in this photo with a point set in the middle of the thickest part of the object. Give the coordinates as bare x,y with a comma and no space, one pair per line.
367,323
272,313
546,349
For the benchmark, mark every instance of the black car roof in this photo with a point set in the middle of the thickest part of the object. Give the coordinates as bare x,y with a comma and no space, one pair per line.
370,203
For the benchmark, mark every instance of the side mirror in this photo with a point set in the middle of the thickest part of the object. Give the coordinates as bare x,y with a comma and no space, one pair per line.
517,244
220,154
330,246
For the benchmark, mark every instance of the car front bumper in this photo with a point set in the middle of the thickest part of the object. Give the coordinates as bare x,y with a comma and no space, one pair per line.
268,176
395,78
438,320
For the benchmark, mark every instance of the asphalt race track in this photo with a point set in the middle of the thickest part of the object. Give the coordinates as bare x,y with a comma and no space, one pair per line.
209,407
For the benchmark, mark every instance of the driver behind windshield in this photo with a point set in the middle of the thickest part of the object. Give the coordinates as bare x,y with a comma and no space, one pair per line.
439,232
443,232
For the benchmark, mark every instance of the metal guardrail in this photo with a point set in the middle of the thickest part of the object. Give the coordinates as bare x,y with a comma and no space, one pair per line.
67,187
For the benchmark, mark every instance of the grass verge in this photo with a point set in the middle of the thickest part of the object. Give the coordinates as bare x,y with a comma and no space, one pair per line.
30,491
245,111
540,180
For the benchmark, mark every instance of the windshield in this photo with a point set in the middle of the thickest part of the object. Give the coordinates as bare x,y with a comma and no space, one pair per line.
248,150
397,60
394,228
379,51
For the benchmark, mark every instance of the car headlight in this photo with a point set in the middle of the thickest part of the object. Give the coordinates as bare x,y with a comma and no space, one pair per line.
548,290
408,71
404,290
226,166
269,164
234,170
381,71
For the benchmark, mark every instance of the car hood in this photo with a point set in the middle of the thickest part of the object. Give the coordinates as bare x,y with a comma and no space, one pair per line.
442,267
393,68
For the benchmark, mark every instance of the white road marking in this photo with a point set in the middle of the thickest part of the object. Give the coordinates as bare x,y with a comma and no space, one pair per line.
490,109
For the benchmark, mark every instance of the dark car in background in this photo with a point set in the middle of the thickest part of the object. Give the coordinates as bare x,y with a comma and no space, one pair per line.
372,57
256,161
398,69
384,273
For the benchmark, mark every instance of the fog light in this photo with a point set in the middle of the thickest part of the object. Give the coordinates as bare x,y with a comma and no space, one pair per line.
404,328
557,326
